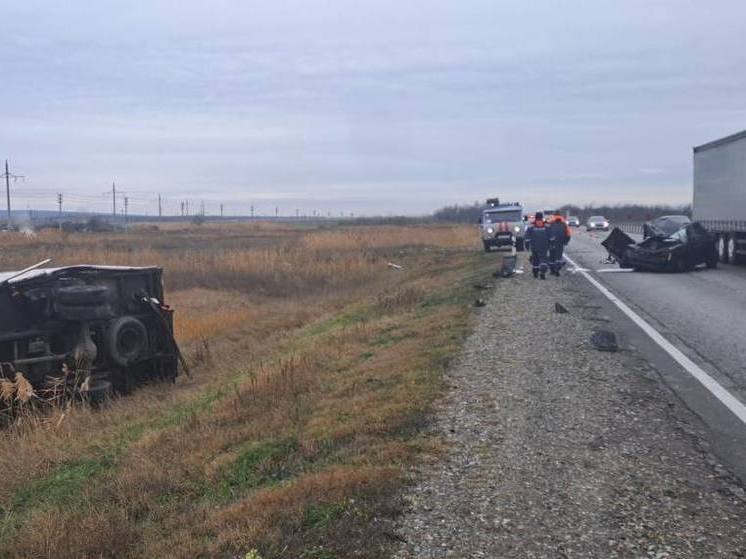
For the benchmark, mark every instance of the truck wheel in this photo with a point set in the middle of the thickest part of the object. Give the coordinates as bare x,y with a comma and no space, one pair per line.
127,340
520,245
723,248
82,295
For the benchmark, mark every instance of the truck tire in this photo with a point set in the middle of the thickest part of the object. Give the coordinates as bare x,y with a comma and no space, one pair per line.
520,245
82,295
127,340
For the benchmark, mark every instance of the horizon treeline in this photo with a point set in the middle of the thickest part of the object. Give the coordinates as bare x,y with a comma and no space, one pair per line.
614,212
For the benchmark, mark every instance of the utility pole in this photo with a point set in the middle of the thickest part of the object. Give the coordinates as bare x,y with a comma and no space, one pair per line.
160,207
126,208
59,203
202,207
252,210
114,200
187,207
297,213
277,211
182,208
221,210
8,175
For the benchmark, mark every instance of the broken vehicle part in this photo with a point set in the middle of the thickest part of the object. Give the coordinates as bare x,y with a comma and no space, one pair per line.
604,340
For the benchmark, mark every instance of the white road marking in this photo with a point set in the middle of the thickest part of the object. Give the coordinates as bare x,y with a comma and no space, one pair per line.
614,270
725,397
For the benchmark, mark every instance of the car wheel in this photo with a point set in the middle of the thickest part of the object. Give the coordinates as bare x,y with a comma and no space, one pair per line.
723,248
680,265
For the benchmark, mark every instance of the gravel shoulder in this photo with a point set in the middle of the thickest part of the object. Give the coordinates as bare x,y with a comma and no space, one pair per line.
554,449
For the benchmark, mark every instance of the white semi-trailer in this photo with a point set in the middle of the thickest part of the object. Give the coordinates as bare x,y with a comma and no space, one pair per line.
720,193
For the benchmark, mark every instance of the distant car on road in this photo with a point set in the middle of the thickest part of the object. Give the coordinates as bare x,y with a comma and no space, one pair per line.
597,223
573,221
664,226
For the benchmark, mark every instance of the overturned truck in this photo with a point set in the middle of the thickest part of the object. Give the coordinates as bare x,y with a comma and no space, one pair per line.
110,322
688,247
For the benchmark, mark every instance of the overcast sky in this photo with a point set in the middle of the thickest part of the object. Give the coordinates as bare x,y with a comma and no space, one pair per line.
373,107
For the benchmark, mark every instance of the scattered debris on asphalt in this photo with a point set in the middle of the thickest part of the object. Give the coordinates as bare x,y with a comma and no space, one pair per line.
393,266
604,340
552,449
560,308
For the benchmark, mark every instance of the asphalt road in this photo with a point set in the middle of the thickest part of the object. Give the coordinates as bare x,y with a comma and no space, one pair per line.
701,313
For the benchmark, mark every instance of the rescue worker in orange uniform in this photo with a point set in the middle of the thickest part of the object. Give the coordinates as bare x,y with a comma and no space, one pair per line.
559,236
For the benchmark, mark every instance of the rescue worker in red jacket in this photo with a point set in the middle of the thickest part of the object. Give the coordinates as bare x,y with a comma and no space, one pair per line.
537,236
559,236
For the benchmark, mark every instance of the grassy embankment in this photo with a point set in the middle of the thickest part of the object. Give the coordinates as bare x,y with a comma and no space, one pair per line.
315,366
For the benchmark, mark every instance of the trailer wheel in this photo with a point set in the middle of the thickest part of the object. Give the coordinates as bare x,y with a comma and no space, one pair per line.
127,340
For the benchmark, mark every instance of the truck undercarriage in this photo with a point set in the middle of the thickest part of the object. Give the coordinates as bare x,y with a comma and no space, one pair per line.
108,324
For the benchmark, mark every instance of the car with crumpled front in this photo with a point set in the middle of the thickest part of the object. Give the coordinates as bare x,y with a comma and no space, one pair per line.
689,247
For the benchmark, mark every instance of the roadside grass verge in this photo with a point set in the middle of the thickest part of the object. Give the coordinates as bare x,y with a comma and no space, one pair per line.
292,440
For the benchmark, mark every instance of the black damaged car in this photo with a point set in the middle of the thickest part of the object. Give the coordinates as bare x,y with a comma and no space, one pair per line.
691,245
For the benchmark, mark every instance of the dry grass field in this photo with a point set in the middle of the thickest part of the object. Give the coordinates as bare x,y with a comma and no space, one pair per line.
314,367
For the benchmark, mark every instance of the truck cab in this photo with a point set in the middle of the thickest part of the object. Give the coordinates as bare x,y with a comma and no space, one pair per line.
502,225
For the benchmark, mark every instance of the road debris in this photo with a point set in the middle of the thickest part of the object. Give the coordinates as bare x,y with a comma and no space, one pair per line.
552,452
394,266
604,340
